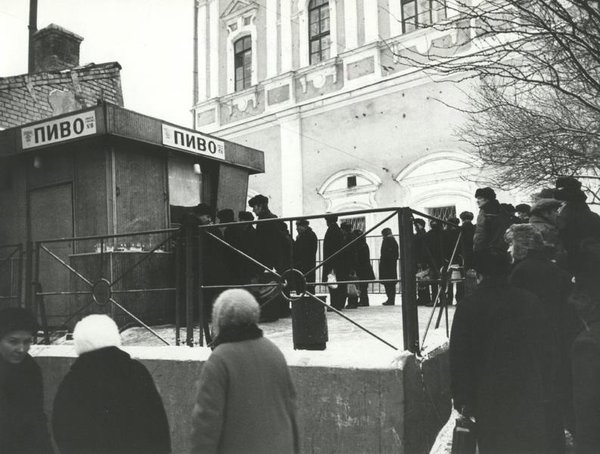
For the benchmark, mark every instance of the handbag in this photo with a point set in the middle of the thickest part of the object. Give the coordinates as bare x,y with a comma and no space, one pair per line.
332,281
463,437
352,290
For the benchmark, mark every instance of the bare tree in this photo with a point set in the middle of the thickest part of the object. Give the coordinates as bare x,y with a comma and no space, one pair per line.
535,113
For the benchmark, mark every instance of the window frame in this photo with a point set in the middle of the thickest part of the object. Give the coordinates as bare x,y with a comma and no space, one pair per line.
239,62
318,37
416,24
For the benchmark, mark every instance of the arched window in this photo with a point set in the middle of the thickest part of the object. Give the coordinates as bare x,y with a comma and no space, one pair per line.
318,30
421,13
243,63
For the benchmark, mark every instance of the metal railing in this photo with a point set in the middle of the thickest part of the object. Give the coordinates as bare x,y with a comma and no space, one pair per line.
94,277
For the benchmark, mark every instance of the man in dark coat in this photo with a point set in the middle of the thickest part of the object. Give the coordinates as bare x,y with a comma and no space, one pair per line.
499,357
305,251
364,269
492,221
586,349
421,258
333,242
23,428
388,265
434,244
533,271
467,231
273,245
247,234
269,235
543,217
107,403
232,235
576,221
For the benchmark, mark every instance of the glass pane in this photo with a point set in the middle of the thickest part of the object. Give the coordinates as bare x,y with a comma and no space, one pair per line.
409,25
238,46
324,12
422,6
325,52
408,10
314,29
325,44
424,19
315,58
325,25
314,17
247,42
315,46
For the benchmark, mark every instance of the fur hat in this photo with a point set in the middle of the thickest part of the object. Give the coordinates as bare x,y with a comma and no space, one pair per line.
203,209
235,307
386,231
485,193
258,200
331,218
523,208
245,216
543,205
303,222
225,215
16,319
569,189
466,216
524,238
94,332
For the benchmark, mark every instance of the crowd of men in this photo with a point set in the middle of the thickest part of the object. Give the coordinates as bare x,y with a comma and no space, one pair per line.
525,344
269,245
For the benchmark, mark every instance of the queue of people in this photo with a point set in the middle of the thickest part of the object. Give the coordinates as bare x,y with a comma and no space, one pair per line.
524,346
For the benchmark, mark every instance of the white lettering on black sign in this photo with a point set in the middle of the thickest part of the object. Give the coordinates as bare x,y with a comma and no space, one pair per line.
192,141
59,130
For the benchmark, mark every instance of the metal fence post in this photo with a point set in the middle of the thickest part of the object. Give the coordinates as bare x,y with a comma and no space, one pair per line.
189,283
199,279
408,281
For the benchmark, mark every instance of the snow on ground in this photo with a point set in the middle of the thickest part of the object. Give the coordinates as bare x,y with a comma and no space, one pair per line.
348,345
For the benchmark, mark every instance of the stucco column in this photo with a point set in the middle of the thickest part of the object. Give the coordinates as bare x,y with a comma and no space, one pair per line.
291,165
272,44
286,36
215,47
370,10
395,19
350,24
202,69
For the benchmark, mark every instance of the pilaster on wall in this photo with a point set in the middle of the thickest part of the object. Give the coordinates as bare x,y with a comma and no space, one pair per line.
351,24
272,44
370,10
291,165
214,43
202,69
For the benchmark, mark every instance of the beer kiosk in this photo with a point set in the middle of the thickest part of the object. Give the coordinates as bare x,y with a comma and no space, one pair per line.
105,171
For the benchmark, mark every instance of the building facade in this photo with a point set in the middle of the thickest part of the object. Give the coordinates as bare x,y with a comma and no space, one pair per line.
344,124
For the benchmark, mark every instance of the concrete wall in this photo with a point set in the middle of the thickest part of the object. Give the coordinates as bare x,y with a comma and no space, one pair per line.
381,408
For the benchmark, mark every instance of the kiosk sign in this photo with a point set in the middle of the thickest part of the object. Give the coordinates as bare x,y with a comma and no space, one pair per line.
192,141
59,130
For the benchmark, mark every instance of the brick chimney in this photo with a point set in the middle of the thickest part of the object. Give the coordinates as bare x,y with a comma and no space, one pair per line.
54,49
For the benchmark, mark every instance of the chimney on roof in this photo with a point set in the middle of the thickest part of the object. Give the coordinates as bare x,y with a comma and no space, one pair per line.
55,49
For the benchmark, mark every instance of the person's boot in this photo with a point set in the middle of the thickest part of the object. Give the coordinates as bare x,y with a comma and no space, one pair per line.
389,303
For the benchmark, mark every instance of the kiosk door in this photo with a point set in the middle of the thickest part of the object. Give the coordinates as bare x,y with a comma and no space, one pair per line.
51,216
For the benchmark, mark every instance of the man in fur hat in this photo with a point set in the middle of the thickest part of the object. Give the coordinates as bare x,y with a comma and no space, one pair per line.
576,221
492,221
23,428
533,271
543,219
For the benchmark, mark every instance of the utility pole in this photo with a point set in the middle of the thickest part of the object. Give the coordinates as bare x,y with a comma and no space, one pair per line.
33,6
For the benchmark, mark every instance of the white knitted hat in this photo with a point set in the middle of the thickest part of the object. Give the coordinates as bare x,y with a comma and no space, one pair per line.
94,332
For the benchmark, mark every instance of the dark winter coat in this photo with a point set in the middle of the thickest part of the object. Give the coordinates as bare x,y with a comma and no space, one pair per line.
333,242
248,269
492,222
388,258
305,252
576,222
499,357
23,428
467,233
586,389
270,242
434,246
108,404
364,269
552,286
245,401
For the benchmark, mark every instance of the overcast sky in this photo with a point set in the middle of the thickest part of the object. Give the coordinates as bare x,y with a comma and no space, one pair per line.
151,39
